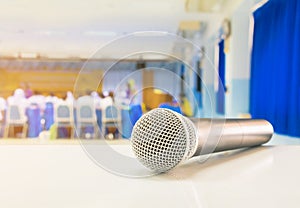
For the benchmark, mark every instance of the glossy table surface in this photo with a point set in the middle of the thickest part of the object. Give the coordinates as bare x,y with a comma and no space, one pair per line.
64,176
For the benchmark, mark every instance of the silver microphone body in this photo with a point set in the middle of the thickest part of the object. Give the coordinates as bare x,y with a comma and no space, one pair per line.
162,139
215,135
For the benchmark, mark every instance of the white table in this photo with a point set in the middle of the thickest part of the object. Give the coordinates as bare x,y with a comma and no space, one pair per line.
64,176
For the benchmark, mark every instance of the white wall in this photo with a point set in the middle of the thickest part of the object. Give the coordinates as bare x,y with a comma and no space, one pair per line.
237,59
209,71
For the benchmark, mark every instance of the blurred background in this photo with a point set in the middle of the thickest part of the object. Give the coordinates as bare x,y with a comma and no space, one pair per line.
90,69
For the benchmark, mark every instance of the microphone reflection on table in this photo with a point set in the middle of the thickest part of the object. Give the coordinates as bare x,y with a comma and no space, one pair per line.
162,139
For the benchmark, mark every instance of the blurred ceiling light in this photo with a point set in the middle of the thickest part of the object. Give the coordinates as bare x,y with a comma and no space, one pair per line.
100,33
28,55
51,32
151,33
204,5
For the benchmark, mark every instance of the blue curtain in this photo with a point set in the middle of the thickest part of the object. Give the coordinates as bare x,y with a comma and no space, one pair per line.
275,65
221,91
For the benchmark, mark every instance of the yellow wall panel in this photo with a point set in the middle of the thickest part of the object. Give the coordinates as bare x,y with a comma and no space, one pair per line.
58,82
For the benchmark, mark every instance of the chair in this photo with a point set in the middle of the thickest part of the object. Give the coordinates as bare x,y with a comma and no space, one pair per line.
111,117
135,113
2,114
2,108
64,116
2,127
86,115
15,116
33,114
171,107
1,122
49,115
129,118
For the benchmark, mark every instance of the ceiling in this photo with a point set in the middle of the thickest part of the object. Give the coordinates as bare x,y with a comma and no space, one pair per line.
80,27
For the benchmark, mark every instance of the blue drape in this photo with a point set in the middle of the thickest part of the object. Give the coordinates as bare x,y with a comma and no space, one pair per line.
275,65
221,91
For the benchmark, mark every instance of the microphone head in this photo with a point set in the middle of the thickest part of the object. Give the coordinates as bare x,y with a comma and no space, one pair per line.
162,138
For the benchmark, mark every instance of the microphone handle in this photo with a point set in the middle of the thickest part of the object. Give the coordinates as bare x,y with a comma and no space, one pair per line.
215,135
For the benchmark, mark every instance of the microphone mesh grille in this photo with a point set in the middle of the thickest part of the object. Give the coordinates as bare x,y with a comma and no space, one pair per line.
161,139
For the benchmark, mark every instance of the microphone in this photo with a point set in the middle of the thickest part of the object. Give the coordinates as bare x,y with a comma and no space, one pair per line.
162,139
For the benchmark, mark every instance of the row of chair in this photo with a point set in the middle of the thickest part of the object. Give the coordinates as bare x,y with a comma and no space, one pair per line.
86,117
63,114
